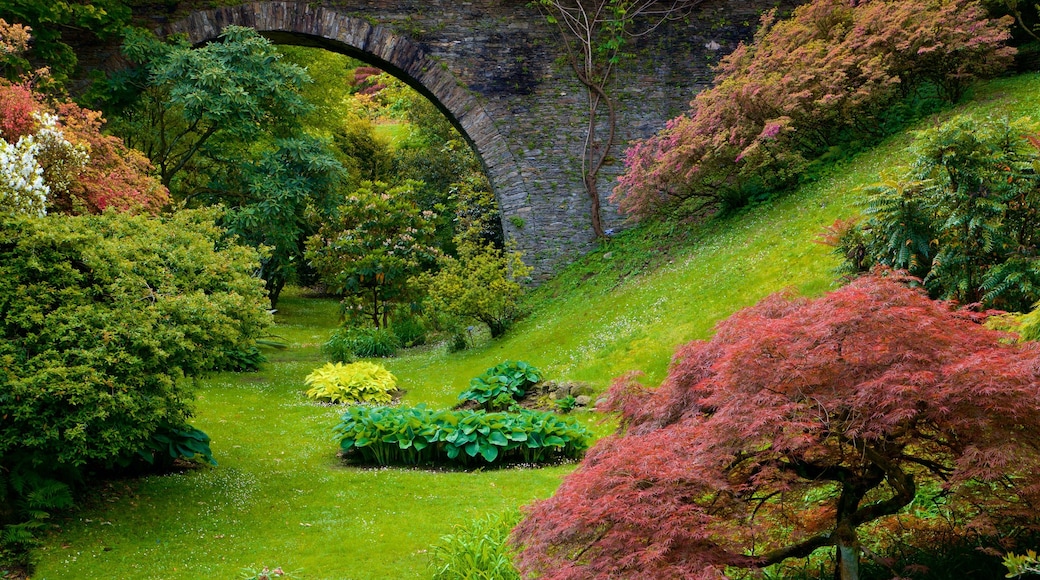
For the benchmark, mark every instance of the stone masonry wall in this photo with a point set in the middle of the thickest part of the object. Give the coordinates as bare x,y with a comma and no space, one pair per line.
496,68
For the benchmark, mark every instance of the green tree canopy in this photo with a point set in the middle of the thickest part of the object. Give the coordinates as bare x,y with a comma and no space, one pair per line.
376,242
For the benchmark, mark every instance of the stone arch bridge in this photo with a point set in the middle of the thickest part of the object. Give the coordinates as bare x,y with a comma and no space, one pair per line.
496,69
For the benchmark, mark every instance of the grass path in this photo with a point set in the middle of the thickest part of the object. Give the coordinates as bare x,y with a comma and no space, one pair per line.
281,498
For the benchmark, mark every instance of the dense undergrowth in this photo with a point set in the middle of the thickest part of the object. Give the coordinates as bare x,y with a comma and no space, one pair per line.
281,497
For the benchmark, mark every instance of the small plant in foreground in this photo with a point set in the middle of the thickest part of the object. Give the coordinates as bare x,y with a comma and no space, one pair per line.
476,550
1021,564
502,384
360,382
265,574
566,404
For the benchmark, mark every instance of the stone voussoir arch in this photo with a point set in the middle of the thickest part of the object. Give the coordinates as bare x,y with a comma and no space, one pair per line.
306,24
498,71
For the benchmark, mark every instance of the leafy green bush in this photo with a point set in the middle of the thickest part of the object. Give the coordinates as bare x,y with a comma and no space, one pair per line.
502,385
965,217
418,435
477,550
360,382
339,346
483,284
243,360
103,321
170,443
349,342
409,330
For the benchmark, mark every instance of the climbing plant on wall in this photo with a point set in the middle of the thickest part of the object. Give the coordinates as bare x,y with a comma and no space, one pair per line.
594,32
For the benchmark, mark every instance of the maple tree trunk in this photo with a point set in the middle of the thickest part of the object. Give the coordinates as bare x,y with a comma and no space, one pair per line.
848,562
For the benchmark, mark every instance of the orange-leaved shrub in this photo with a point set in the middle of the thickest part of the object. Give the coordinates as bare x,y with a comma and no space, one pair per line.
113,176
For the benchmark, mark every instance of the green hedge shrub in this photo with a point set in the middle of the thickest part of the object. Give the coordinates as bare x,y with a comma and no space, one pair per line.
103,322
419,435
360,382
502,385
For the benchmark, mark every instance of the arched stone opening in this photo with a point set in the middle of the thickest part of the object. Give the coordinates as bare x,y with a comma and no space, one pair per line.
301,24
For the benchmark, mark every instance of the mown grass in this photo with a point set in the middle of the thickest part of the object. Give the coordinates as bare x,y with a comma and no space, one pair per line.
280,497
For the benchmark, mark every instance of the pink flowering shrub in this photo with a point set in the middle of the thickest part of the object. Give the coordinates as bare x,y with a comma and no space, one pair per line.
802,86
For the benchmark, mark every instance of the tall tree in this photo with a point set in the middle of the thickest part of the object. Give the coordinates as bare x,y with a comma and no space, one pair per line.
800,422
222,125
170,106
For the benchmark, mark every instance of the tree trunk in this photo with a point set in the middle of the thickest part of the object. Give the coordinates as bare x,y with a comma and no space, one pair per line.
848,561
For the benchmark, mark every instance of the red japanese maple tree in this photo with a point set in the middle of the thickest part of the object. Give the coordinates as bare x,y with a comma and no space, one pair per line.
798,423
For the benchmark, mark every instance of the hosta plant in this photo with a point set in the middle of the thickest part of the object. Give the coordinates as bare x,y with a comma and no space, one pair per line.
420,436
360,382
502,384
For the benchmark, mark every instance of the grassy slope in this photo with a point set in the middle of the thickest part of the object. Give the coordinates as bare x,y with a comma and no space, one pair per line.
281,498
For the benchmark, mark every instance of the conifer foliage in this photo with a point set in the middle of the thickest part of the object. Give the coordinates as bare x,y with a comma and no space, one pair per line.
800,422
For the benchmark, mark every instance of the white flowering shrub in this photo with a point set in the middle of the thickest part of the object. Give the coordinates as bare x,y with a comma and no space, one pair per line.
22,189
37,165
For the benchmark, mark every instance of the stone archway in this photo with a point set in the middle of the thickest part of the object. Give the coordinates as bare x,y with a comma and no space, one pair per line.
497,70
288,22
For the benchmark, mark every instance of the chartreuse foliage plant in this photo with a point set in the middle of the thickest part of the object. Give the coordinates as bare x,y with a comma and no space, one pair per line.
502,385
797,425
360,382
1022,564
482,284
421,436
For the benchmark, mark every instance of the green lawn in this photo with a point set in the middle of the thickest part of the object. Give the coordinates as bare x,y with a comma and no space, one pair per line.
280,497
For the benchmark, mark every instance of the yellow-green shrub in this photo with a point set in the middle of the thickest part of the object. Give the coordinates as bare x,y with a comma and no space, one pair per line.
360,382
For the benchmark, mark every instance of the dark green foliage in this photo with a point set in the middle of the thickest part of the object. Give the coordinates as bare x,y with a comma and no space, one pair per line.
339,346
502,385
170,443
965,218
349,342
409,330
243,360
28,495
51,20
420,436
